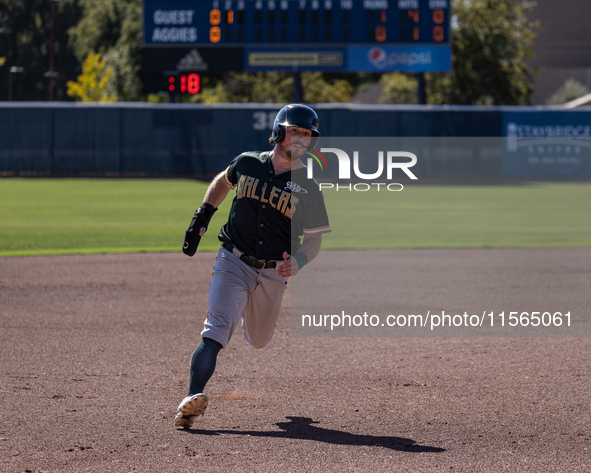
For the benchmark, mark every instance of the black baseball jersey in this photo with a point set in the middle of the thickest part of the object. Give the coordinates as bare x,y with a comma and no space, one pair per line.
271,211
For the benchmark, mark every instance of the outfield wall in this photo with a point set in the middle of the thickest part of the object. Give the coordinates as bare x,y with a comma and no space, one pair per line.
140,139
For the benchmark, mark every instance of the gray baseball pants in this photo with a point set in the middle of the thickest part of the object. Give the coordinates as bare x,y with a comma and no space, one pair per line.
241,292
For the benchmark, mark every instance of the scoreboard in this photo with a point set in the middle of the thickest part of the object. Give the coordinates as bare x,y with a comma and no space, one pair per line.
296,35
299,22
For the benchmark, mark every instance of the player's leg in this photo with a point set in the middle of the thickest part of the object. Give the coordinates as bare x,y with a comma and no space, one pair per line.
231,283
203,364
263,308
228,294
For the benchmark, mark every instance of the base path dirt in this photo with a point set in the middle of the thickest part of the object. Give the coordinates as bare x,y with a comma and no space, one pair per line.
95,354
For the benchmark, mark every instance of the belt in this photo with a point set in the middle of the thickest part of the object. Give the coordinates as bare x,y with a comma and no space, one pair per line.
250,260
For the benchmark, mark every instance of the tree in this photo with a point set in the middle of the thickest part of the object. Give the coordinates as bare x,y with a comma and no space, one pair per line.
273,87
317,88
113,28
24,41
399,88
491,41
99,28
212,91
94,83
568,91
126,56
260,87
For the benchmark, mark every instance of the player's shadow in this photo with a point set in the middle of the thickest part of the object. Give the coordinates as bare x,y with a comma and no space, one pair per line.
302,428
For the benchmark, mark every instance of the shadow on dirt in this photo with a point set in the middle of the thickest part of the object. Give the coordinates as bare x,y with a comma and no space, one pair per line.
302,428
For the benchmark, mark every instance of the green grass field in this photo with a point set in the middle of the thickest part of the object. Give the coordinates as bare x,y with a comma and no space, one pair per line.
66,216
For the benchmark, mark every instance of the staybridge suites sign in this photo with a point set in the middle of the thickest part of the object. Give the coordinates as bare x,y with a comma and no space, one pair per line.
547,145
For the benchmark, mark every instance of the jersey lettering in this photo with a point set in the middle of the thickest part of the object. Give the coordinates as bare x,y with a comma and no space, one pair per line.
239,191
283,201
253,191
292,201
274,193
263,193
248,186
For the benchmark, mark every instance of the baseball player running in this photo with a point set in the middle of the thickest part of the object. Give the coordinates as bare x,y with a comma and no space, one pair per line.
275,205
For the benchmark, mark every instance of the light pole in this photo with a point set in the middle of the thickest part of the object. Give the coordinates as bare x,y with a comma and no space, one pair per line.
51,73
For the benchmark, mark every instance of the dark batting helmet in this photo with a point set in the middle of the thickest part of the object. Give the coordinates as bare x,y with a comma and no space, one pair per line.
298,115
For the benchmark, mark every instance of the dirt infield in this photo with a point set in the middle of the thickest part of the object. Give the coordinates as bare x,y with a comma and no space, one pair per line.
95,354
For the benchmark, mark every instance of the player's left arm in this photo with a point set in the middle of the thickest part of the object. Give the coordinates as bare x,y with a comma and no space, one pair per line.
307,252
314,225
310,246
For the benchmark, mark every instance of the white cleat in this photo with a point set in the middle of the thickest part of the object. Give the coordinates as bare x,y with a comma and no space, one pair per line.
189,409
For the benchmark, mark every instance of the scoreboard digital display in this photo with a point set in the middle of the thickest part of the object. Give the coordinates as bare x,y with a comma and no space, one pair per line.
197,36
296,22
183,83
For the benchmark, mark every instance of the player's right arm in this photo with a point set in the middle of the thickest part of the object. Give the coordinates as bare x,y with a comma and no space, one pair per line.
215,195
217,190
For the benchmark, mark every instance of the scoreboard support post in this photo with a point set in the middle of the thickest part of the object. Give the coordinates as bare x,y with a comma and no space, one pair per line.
422,93
297,87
